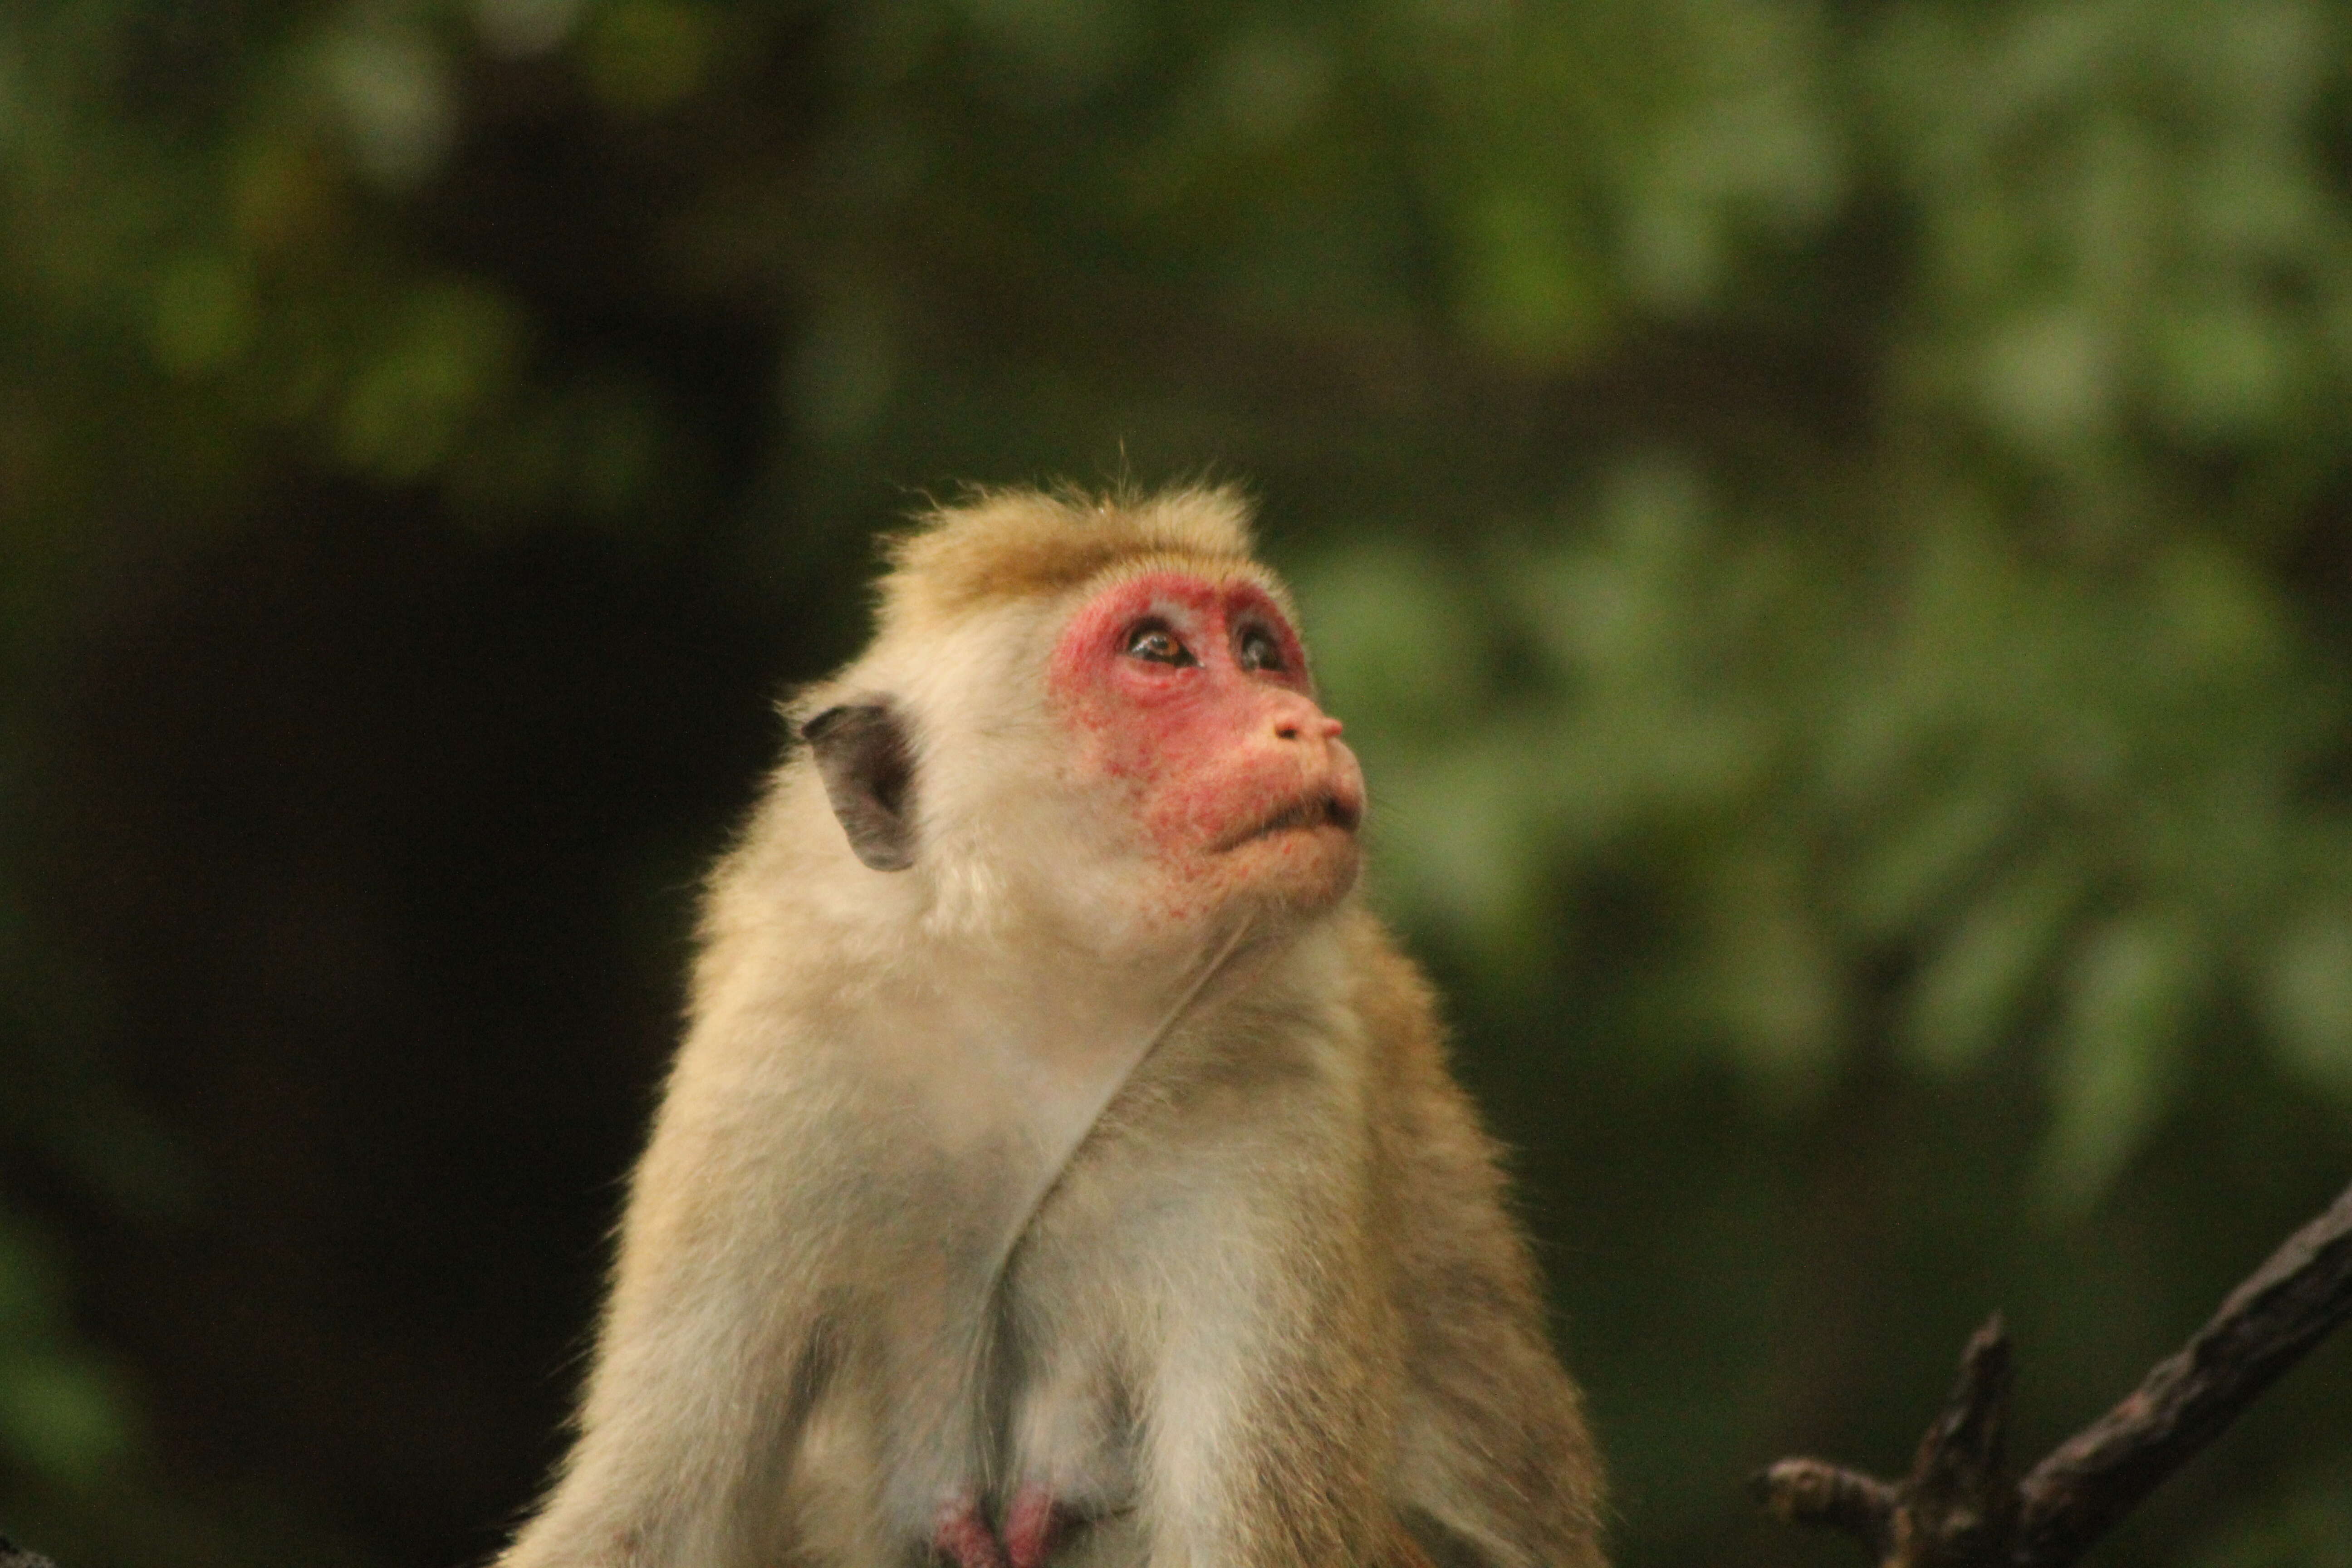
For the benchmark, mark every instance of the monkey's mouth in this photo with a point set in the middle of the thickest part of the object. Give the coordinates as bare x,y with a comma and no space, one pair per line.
1324,810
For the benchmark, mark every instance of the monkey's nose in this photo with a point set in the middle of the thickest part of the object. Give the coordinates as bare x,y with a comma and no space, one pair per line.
1299,717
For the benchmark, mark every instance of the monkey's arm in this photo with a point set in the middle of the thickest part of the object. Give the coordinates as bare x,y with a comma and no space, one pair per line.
1266,1415
1493,1447
712,1346
1218,1234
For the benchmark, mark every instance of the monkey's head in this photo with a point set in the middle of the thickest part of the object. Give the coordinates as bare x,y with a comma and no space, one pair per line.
1100,708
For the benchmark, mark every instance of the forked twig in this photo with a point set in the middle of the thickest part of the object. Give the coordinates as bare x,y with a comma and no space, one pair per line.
1958,1508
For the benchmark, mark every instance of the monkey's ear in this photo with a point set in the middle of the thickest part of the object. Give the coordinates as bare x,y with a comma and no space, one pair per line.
868,767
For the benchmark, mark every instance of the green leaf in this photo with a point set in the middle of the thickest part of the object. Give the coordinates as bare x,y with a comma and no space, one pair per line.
2116,1055
1769,972
2223,368
1396,638
1531,290
61,1414
2049,378
1969,993
1917,865
2306,987
642,56
452,349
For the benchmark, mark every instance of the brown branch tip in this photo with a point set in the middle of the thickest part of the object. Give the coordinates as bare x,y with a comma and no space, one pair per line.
1958,1509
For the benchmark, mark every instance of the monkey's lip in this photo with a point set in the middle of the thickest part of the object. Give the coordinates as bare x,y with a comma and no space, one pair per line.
1325,809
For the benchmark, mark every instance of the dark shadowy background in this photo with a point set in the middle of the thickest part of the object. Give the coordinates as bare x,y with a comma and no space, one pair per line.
1832,525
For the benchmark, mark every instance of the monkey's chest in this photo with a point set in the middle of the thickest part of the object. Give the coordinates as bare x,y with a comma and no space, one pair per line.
1067,1426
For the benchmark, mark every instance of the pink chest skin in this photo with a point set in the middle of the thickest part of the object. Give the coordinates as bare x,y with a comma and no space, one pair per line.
1237,779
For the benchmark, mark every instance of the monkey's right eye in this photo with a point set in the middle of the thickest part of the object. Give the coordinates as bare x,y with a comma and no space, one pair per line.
1153,642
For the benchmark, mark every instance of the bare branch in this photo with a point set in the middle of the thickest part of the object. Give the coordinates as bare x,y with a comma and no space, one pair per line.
2284,1309
1830,1497
1957,1508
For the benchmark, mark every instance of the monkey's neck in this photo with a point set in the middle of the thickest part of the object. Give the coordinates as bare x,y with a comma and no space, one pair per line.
1059,1027
1062,1111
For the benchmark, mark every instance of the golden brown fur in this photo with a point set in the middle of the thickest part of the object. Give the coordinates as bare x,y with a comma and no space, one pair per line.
1014,544
973,1181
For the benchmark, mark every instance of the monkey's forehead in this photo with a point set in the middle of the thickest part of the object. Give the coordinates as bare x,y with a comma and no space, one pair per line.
1216,573
1025,545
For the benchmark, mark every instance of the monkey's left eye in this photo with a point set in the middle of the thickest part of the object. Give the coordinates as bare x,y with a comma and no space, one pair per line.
1153,642
1255,647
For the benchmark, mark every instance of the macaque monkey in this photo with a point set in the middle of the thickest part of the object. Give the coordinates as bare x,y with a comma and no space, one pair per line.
1062,1166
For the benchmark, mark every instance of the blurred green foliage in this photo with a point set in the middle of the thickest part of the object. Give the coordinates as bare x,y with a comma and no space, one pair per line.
1831,522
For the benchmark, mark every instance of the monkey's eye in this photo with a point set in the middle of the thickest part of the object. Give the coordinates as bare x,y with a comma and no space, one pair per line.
1154,642
1255,647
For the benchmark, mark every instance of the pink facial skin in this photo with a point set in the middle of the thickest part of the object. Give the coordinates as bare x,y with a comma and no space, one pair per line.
1193,696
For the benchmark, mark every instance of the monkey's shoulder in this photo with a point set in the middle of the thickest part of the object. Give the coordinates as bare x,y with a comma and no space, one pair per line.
1394,1000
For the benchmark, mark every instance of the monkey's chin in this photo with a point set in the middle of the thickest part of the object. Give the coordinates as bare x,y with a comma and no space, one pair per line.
1297,871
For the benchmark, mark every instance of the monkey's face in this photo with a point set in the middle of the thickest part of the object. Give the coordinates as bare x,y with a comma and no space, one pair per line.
1189,697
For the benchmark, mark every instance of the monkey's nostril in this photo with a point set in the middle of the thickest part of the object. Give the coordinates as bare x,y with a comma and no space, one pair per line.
1285,731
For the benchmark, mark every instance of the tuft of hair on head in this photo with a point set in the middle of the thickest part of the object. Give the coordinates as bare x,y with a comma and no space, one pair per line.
1018,543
